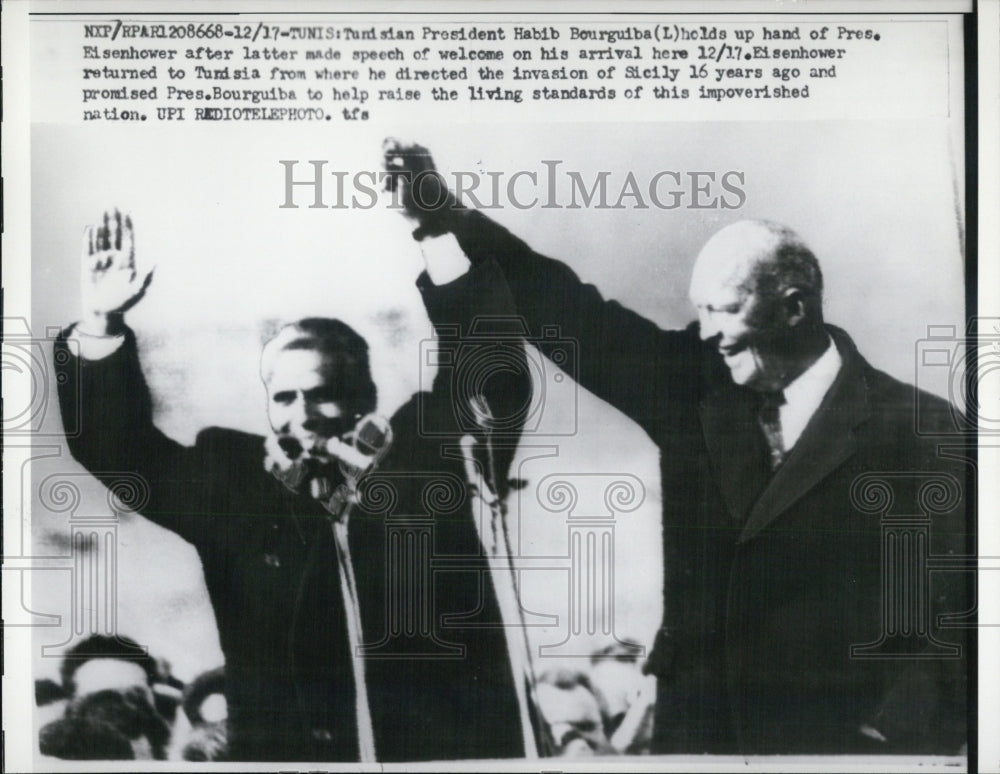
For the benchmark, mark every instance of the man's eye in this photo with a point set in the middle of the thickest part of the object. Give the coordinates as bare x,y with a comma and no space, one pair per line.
284,398
324,394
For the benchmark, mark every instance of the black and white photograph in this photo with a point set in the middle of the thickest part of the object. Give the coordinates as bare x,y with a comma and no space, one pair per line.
479,386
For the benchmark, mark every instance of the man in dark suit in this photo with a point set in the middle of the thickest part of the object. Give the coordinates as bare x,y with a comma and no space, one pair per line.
340,644
799,613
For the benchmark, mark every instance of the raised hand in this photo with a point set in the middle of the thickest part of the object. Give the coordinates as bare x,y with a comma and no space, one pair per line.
418,187
111,282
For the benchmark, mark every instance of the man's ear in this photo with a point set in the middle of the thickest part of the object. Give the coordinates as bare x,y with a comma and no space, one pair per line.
794,305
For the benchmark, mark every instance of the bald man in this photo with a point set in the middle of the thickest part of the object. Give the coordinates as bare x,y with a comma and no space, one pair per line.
758,291
775,435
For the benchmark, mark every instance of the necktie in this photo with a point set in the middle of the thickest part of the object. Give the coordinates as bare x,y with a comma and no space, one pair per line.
770,422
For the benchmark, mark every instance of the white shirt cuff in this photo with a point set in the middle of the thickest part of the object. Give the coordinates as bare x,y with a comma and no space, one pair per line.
444,258
95,347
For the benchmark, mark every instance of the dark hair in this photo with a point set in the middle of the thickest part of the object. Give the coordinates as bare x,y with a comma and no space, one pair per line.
100,646
129,711
102,725
79,739
345,355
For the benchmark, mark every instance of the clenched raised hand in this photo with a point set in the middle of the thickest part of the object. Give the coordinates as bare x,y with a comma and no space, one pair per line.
417,185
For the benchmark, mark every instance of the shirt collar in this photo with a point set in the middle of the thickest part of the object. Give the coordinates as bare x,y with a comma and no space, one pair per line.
807,391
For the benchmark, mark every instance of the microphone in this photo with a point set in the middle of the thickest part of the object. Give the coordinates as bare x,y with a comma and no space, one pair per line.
357,454
361,450
482,415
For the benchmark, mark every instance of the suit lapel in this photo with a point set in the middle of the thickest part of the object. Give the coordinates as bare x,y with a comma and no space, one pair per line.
825,444
735,445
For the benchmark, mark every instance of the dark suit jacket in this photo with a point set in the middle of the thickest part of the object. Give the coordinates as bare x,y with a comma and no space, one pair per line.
439,688
770,581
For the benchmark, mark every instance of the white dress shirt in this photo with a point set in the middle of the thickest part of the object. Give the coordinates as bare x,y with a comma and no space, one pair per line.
803,396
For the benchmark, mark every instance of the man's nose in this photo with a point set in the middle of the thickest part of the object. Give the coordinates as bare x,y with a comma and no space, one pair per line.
296,413
315,424
707,328
312,415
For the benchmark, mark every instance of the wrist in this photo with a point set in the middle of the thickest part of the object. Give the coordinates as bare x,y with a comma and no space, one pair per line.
438,220
443,258
102,325
98,336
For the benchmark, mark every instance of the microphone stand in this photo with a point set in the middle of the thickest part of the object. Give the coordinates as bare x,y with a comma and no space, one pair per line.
544,743
354,465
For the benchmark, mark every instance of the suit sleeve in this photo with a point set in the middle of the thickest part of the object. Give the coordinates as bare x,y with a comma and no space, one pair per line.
620,356
480,352
109,404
